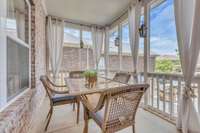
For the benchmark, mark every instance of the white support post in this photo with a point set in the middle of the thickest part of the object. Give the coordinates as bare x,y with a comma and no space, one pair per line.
146,48
3,55
106,51
198,97
80,51
179,91
120,46
88,63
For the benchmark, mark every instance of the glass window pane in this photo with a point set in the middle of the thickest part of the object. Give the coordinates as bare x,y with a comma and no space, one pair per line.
141,41
17,68
16,15
163,41
87,37
113,36
125,39
71,36
101,64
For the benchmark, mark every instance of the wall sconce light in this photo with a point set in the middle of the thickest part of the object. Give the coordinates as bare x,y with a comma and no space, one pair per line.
143,31
117,41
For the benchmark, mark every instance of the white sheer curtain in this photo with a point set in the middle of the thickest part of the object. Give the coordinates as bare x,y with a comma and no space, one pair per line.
187,15
106,49
97,40
134,13
55,35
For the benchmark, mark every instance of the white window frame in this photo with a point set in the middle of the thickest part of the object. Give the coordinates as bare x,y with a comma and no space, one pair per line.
3,54
77,45
81,30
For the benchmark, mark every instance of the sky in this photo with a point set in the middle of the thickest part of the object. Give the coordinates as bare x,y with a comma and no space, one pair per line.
162,31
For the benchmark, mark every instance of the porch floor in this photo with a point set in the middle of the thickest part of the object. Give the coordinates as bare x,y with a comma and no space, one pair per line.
64,121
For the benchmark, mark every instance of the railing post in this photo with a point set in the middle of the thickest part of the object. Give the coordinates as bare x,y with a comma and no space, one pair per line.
171,98
146,48
164,94
198,87
152,91
158,92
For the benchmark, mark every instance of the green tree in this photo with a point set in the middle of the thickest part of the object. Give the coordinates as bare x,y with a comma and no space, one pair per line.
164,65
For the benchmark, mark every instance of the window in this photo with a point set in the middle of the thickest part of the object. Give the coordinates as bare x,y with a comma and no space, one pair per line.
125,39
75,58
17,68
163,41
101,64
113,35
11,27
141,41
163,54
16,15
87,38
17,48
71,36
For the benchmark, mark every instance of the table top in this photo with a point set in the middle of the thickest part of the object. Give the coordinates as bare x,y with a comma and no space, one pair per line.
77,86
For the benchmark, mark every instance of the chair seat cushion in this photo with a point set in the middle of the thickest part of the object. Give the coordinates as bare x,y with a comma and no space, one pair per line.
62,97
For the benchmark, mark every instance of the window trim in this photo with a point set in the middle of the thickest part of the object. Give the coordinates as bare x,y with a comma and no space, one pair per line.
81,30
5,101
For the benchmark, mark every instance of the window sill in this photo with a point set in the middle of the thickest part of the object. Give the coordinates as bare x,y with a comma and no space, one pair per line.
14,99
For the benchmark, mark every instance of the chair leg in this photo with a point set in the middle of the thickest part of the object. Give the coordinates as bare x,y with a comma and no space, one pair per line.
133,127
49,118
103,131
48,113
86,117
78,112
73,106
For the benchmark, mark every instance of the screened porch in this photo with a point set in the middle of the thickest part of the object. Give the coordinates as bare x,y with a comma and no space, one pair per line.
99,66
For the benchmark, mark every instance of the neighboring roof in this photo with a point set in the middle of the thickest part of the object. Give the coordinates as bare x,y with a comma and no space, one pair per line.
171,57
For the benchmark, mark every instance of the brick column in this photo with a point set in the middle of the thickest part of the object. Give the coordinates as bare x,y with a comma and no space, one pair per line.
33,77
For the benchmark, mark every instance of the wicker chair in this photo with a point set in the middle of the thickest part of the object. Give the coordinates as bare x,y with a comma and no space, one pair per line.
57,97
116,108
122,77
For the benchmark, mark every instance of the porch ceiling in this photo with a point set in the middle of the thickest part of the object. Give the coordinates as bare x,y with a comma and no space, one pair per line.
100,12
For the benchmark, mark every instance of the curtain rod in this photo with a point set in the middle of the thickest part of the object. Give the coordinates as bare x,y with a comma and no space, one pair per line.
76,23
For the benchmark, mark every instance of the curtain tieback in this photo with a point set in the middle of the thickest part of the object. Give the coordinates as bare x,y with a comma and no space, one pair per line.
189,92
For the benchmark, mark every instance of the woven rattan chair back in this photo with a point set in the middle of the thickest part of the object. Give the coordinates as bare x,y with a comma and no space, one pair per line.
76,74
45,81
121,106
122,77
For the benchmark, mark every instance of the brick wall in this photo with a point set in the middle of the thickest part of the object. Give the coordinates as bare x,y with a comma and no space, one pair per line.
76,59
40,47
